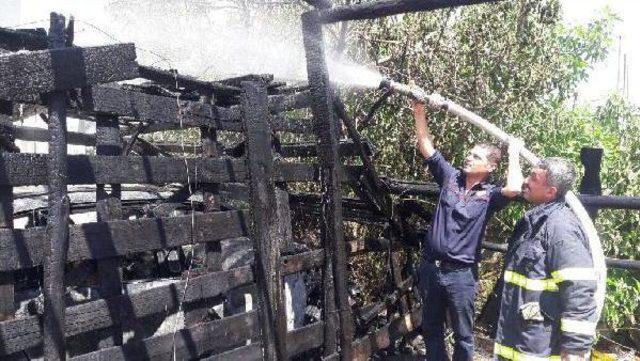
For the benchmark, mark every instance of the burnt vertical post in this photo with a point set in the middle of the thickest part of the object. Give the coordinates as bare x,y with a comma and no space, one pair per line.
210,194
210,252
264,231
326,129
58,223
109,208
7,295
591,159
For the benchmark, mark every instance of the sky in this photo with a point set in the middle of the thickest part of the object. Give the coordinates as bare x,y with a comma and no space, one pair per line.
603,79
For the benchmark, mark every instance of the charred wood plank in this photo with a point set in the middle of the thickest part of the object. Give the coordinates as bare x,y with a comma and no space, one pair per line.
21,334
380,8
25,248
33,134
345,148
252,352
31,169
171,78
291,125
302,261
368,313
630,264
305,338
23,39
326,129
189,343
114,100
26,74
382,338
305,172
264,231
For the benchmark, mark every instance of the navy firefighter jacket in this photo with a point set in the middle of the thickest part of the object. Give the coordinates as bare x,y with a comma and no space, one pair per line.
461,217
548,303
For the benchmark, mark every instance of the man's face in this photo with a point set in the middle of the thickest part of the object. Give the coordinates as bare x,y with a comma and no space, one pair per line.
536,189
477,162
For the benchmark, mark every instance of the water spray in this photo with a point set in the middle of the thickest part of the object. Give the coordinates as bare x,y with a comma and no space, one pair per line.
437,102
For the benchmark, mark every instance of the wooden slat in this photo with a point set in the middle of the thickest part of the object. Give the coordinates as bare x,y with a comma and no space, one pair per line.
17,335
24,248
382,338
380,8
252,352
189,343
111,99
31,169
305,338
115,100
302,261
23,39
34,134
26,73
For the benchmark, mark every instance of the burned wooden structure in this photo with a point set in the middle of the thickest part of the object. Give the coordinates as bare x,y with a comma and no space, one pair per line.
184,205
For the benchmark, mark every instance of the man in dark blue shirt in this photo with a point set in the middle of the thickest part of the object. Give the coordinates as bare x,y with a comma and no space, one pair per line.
451,250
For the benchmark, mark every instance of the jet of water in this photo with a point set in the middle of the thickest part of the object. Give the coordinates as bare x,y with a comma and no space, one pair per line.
353,75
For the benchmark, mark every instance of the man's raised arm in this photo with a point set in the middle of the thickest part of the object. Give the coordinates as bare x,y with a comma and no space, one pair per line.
425,139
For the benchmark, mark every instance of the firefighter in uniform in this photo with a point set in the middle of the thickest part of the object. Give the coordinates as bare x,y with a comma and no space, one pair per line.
451,250
548,308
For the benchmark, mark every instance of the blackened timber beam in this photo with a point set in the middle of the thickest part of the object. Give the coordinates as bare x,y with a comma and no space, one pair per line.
33,134
26,74
327,130
382,338
187,344
345,148
112,99
57,231
610,202
24,333
430,189
171,78
381,8
264,231
23,39
630,264
252,352
319,4
302,261
24,248
305,338
237,81
31,169
109,208
368,313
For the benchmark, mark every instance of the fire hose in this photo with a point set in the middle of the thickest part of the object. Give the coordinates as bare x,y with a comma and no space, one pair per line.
437,102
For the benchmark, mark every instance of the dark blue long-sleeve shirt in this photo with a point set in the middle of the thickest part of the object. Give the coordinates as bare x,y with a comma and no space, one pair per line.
460,217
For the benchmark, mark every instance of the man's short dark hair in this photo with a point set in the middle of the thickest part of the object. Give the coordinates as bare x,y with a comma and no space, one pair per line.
493,153
560,174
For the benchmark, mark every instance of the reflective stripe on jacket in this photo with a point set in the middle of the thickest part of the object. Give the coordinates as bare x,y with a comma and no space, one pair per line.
548,303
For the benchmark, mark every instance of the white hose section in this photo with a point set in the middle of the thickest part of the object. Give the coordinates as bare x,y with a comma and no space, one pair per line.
597,254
